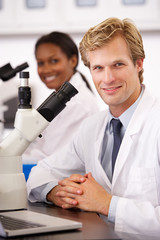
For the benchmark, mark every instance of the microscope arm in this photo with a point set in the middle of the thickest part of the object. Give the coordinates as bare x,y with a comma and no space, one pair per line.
29,123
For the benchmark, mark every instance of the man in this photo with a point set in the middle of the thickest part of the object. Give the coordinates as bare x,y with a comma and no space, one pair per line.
88,174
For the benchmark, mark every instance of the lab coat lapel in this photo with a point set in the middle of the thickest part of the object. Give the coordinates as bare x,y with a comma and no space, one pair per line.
98,151
134,127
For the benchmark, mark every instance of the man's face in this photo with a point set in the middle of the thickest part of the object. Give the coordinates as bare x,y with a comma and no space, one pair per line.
115,76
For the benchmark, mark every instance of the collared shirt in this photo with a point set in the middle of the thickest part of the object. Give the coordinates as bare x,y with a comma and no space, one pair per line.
107,154
106,158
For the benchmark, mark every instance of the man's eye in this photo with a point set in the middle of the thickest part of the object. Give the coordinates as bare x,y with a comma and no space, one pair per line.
97,68
118,64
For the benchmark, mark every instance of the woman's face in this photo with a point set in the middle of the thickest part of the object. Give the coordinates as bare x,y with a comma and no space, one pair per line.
53,66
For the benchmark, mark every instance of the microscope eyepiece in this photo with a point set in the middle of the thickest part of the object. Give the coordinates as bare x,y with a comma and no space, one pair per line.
67,89
24,74
24,91
56,102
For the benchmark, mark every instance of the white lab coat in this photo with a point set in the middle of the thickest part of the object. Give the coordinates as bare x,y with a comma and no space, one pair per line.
61,129
136,178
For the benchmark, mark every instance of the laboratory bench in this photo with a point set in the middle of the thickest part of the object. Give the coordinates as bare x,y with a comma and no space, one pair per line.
93,227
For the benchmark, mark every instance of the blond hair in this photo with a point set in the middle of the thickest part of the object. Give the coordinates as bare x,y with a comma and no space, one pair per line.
101,34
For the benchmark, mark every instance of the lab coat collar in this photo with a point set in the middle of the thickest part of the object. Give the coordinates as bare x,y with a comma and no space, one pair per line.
134,127
144,106
98,150
127,115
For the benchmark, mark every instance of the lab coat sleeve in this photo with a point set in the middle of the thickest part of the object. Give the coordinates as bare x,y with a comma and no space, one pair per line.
41,192
137,217
112,209
57,166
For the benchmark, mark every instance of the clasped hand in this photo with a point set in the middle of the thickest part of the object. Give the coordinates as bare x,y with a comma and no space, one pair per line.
81,192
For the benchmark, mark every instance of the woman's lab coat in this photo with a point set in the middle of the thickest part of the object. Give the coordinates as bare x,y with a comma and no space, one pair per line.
61,129
136,178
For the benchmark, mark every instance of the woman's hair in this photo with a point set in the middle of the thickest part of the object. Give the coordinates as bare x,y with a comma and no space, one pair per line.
66,44
101,34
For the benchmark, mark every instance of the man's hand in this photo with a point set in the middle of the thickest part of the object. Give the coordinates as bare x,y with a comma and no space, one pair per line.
52,196
85,193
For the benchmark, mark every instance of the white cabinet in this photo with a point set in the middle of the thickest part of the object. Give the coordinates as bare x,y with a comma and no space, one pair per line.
74,16
7,15
84,17
15,17
34,18
145,13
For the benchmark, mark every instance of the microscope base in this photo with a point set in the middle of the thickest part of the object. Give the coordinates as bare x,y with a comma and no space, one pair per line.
13,195
13,192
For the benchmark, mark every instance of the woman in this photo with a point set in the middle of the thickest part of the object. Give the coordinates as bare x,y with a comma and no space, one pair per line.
57,59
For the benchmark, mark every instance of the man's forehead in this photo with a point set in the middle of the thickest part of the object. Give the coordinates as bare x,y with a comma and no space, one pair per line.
116,48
